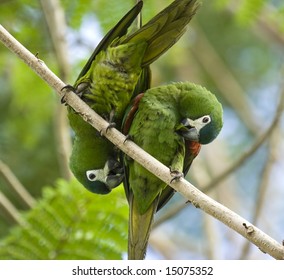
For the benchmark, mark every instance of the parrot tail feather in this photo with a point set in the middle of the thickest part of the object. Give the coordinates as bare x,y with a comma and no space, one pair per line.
165,29
139,229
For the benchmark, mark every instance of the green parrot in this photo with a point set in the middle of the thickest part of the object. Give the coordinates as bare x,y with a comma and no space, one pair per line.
93,159
171,123
115,73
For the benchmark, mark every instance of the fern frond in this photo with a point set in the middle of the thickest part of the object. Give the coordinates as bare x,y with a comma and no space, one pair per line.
70,223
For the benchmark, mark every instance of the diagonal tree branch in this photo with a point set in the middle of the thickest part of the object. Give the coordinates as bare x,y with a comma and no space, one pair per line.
258,143
196,197
10,210
273,155
16,185
228,86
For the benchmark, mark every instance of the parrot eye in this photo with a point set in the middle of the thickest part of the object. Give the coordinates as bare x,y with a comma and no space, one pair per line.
206,119
91,175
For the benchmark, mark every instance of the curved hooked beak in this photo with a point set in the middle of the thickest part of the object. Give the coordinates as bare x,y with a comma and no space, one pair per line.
115,174
190,129
190,134
187,130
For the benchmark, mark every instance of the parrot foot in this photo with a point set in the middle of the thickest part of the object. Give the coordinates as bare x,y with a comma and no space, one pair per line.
111,125
68,87
79,90
176,175
110,119
127,138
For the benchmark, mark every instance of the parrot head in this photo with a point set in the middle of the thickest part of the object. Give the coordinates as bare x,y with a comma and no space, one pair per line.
107,178
100,181
202,114
94,160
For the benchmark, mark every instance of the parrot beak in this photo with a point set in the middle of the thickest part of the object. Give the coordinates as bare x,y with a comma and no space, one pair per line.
114,180
191,134
115,173
113,165
188,130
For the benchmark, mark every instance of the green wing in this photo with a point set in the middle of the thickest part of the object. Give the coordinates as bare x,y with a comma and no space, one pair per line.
164,30
118,30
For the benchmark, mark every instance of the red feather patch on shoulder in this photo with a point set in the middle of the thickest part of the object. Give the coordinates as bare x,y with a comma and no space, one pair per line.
194,147
131,113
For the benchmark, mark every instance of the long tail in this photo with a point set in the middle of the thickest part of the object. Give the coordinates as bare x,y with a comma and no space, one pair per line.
139,229
165,29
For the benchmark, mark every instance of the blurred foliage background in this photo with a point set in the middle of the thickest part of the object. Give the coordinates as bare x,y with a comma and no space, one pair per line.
233,48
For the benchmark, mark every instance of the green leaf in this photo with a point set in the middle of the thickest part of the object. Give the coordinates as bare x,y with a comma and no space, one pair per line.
70,223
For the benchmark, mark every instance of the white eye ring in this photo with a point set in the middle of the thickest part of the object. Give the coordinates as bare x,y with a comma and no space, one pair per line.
91,175
206,119
200,122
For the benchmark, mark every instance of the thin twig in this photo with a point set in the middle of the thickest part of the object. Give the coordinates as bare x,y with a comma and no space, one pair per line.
227,84
258,143
54,15
195,196
273,154
266,24
10,210
176,208
16,185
